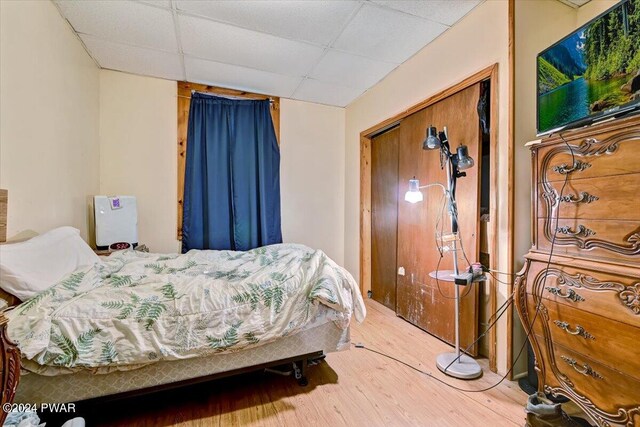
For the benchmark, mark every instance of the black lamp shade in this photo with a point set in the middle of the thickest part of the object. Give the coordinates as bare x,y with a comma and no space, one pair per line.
432,141
464,161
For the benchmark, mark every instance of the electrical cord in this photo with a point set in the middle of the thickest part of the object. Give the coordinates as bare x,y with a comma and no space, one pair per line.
502,310
438,284
488,270
510,300
439,244
498,280
548,264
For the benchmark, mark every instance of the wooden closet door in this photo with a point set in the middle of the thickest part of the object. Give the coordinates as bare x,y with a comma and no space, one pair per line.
384,216
419,298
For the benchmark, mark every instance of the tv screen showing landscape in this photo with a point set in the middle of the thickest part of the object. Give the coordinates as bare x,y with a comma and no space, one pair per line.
593,71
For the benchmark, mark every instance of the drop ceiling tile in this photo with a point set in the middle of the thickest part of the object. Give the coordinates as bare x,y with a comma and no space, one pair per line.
326,93
125,22
446,12
233,45
350,70
387,35
135,60
159,3
241,78
575,3
313,21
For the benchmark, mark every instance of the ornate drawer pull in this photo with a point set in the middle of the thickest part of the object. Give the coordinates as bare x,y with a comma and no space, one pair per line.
583,198
580,231
579,330
564,169
585,369
571,294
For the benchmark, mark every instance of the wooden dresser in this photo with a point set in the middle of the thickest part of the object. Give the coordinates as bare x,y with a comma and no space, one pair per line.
582,301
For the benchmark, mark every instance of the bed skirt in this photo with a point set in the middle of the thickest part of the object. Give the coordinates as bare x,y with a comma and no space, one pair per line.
34,388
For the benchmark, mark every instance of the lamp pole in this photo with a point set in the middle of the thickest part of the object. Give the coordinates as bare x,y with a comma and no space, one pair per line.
454,229
455,364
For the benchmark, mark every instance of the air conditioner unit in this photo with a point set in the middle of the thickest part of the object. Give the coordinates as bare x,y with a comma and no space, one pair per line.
116,220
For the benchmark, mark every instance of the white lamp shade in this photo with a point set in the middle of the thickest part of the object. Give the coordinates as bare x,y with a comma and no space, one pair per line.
414,195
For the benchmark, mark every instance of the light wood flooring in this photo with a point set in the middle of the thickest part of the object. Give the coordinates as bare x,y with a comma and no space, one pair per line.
352,388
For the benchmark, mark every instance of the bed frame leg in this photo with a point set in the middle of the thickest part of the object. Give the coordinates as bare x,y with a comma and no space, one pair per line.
300,372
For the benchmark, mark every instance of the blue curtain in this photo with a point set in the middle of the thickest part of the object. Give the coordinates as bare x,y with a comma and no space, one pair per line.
232,176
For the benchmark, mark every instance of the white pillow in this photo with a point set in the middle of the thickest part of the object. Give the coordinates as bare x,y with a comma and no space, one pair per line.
28,268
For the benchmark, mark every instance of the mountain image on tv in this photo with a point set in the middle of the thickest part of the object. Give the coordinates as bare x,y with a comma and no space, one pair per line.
592,70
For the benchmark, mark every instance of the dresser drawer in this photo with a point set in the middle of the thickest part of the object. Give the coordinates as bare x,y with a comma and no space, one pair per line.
591,238
608,295
610,391
607,153
606,341
611,197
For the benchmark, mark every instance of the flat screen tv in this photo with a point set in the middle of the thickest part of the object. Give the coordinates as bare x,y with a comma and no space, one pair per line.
593,73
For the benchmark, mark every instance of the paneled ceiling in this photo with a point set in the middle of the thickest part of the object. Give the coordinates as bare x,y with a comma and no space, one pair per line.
575,3
324,51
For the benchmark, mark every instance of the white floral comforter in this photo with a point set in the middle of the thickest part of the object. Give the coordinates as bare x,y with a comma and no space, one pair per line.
136,308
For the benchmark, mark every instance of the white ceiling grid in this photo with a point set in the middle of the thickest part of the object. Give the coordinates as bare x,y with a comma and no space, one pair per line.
325,51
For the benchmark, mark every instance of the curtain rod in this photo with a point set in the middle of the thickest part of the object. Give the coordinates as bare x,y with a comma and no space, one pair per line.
271,100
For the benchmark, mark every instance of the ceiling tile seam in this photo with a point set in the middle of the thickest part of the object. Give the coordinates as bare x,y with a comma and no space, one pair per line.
176,29
157,6
390,9
344,26
183,54
180,51
416,52
303,78
137,74
317,102
468,12
75,33
336,85
359,55
188,55
405,61
93,36
208,18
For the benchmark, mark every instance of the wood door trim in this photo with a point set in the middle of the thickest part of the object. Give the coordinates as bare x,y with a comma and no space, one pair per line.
184,99
510,191
489,73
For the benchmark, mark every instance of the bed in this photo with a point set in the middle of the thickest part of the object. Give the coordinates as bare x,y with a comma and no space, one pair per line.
136,322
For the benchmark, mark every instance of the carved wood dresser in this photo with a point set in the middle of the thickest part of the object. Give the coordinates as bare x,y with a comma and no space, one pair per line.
579,291
9,368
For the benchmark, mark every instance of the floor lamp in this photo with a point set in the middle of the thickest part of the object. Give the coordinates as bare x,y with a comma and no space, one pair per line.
455,364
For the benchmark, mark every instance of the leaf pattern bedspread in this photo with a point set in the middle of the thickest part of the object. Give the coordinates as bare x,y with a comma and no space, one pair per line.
134,308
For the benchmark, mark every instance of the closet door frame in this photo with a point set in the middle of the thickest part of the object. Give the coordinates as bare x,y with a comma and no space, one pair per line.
490,73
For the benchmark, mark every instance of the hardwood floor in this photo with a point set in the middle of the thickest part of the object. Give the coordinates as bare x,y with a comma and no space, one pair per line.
354,388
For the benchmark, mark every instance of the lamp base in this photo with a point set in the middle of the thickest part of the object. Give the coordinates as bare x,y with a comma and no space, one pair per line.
466,368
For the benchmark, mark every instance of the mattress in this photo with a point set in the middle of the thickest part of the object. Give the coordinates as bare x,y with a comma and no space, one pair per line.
34,388
135,308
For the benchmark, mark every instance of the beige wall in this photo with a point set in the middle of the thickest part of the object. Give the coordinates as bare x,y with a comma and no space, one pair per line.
479,40
592,9
312,175
538,25
48,119
138,133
